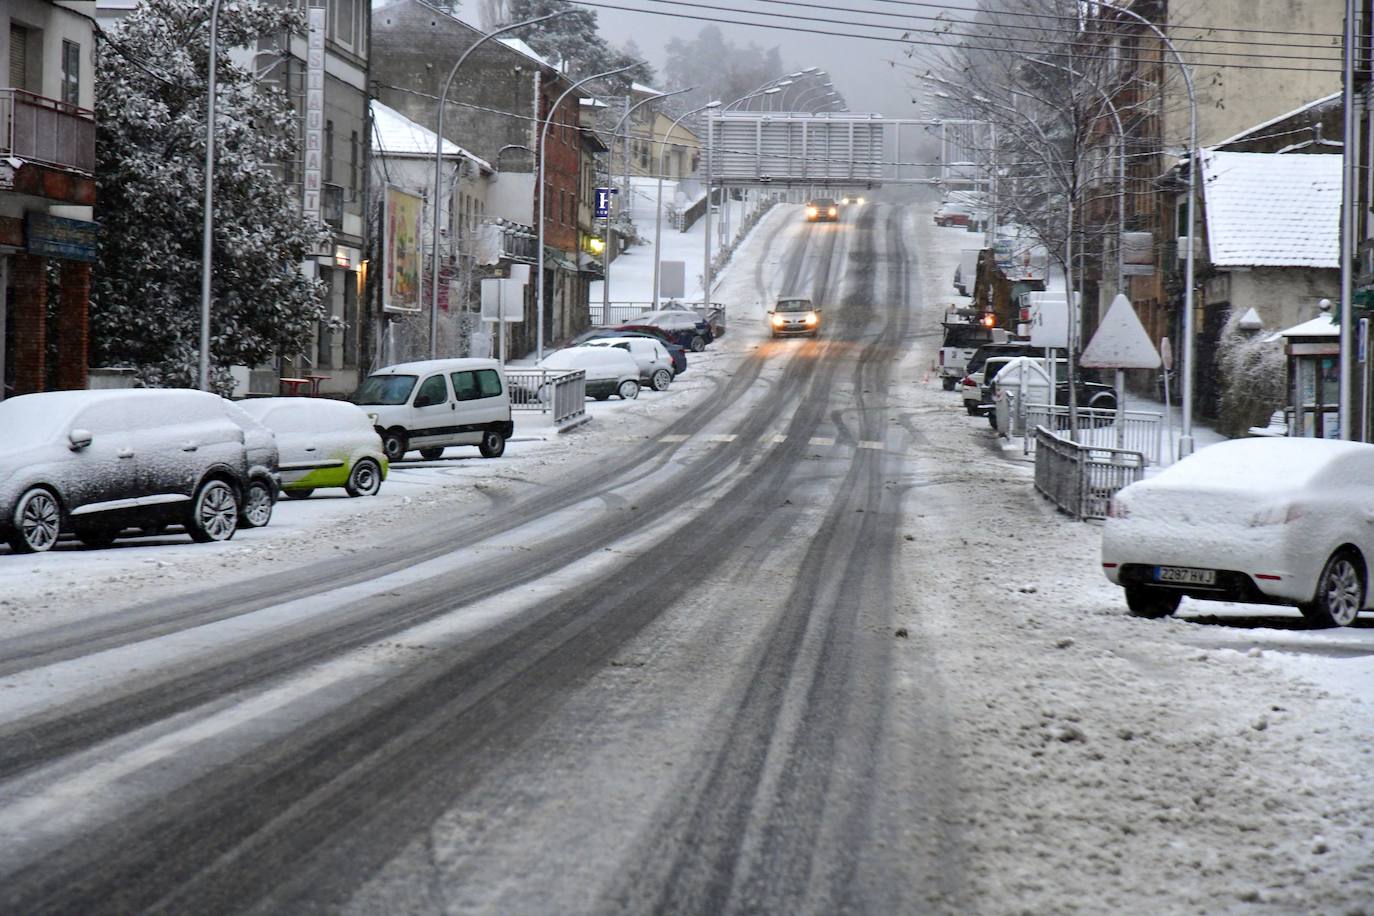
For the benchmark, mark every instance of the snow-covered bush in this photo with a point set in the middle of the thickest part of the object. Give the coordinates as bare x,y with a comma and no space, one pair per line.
1253,377
150,155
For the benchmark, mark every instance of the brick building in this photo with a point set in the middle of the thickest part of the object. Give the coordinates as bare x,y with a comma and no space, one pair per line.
498,102
47,190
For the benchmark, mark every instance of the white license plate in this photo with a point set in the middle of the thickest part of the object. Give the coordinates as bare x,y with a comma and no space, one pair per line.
1183,575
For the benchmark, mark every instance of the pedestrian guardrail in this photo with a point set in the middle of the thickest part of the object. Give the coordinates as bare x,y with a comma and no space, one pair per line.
1140,431
1082,479
562,393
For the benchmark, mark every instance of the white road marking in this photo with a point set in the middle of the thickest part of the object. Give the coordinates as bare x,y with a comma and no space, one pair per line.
725,437
822,440
779,438
675,437
870,443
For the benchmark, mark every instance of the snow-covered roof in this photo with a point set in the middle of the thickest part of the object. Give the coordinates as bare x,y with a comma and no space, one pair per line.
1321,326
1256,129
1272,210
516,44
396,135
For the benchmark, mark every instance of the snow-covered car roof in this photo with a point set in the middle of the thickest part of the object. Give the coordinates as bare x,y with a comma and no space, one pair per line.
607,361
341,412
420,367
1264,465
30,419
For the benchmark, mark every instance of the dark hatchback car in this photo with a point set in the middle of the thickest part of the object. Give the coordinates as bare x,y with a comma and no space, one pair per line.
693,335
676,351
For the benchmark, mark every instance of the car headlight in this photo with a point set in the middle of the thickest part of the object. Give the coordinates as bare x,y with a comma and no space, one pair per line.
810,318
810,211
833,211
779,321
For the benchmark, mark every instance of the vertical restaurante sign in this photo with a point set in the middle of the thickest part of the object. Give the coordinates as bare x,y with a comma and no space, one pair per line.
314,110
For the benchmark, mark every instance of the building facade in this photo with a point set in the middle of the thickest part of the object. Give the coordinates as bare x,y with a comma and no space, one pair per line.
498,106
47,191
1234,92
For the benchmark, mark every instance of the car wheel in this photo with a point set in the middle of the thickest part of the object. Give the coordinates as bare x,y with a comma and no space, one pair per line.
395,445
365,479
992,418
299,494
628,390
661,380
1340,592
603,397
948,383
1151,603
971,408
98,537
430,454
214,513
493,444
698,344
36,523
257,505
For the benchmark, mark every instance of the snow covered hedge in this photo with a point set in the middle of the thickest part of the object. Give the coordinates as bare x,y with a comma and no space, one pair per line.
150,155
1253,378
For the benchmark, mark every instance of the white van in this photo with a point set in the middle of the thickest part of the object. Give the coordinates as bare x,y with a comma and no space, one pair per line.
432,404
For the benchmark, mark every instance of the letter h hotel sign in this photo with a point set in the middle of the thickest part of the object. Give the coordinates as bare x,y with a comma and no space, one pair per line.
314,110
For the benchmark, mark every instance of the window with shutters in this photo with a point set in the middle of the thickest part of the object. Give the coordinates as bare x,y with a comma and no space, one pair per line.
19,57
71,72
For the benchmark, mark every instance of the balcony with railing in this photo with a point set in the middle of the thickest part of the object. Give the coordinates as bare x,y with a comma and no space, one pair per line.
47,132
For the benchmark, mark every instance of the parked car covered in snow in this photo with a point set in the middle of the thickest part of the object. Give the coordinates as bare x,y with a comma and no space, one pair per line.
676,351
655,365
98,462
431,404
323,443
608,370
685,328
1265,520
264,481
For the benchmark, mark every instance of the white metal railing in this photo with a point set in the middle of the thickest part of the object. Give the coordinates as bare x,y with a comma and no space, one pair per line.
1140,431
564,393
46,131
1082,479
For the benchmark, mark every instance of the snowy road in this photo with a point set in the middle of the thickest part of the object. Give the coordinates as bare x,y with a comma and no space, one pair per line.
790,652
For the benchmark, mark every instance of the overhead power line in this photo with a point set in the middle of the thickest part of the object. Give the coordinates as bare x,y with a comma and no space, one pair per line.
906,40
1038,30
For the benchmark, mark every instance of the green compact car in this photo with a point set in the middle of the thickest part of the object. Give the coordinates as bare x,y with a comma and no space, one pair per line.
322,444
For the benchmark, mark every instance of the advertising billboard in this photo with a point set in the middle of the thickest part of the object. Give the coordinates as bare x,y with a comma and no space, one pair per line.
401,286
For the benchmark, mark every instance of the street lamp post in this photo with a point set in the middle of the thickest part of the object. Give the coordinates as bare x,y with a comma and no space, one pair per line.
436,204
539,213
658,216
206,256
610,233
1185,440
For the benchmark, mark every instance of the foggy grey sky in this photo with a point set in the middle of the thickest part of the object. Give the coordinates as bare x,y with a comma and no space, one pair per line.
858,67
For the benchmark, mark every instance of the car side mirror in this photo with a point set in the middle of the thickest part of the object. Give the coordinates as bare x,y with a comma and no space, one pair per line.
78,439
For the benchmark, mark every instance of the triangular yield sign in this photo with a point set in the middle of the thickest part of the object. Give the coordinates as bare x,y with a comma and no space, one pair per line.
1120,341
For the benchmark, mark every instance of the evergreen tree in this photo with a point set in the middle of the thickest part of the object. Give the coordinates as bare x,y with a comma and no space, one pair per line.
575,40
150,157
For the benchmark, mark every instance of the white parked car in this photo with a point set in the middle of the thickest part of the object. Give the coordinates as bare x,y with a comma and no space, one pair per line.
323,443
608,370
655,363
1266,520
435,403
96,463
